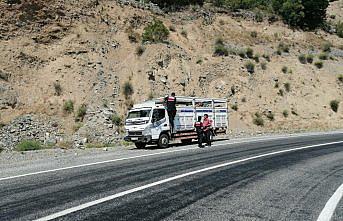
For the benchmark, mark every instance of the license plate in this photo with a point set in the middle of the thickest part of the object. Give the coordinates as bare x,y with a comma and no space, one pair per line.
134,138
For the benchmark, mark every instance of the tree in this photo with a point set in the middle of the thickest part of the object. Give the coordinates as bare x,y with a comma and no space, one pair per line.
292,12
155,32
315,12
168,3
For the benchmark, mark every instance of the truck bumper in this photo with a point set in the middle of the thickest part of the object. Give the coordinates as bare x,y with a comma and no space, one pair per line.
140,139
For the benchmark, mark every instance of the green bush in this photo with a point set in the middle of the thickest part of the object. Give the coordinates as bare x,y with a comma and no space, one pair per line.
140,50
258,120
319,64
68,106
339,29
81,112
283,47
58,88
287,86
116,120
326,47
253,34
270,116
309,58
234,107
221,50
249,52
241,53
127,89
340,78
334,104
302,58
264,65
323,56
27,145
184,33
155,32
256,58
285,113
284,69
250,67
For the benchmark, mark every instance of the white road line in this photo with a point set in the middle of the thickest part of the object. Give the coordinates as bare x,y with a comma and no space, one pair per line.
117,195
331,205
160,153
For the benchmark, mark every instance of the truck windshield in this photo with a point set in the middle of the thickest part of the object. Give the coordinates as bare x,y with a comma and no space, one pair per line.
139,113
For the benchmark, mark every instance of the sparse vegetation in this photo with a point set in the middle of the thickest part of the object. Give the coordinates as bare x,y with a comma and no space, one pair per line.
249,52
77,126
283,47
294,113
253,34
68,106
339,29
155,32
140,50
302,58
250,67
244,100
281,92
264,65
340,78
326,47
199,61
284,69
81,112
267,57
220,48
319,64
116,120
323,56
127,89
184,33
27,145
258,120
334,104
285,113
241,53
256,58
287,86
58,88
309,58
234,107
270,116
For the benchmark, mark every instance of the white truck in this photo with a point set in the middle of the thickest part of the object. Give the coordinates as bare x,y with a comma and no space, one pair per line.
148,122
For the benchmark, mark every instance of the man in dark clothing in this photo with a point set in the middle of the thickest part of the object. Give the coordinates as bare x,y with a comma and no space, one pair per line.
207,124
198,128
171,109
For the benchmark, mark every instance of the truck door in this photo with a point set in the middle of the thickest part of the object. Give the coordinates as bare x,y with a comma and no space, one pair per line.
159,123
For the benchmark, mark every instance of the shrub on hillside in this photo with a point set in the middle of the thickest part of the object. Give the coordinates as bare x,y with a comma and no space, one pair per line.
253,34
319,64
323,56
285,113
116,120
283,47
184,33
58,88
264,66
334,104
267,57
220,50
249,52
309,58
258,120
340,78
81,112
270,116
284,69
250,67
27,145
234,107
155,32
140,50
339,29
68,106
127,89
302,58
326,47
287,86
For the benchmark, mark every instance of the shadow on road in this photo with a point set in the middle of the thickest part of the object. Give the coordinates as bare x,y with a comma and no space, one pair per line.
155,147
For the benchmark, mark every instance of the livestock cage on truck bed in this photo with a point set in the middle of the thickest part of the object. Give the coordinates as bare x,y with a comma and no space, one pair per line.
146,129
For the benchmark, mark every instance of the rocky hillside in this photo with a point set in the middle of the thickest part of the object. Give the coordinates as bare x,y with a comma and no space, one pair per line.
68,62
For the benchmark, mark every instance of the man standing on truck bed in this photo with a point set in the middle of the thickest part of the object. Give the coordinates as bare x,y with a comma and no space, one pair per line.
171,109
207,123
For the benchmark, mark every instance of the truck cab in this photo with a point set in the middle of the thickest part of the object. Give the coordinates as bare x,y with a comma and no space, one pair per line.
146,123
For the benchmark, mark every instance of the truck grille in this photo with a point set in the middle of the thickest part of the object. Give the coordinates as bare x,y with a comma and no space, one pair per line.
135,133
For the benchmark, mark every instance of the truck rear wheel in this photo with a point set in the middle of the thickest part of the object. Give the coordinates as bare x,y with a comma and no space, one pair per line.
163,141
140,145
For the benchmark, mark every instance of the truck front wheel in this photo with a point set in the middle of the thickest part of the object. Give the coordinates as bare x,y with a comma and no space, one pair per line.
140,145
163,141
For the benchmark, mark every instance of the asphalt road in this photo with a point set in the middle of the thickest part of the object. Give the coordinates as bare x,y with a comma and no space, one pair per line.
292,185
